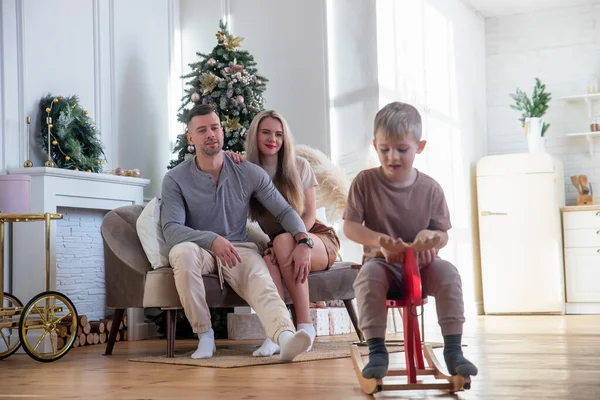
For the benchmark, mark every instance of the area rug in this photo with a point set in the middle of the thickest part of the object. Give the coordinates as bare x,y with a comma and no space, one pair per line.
240,355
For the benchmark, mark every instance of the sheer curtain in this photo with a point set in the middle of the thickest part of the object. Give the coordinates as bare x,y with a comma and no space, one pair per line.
417,64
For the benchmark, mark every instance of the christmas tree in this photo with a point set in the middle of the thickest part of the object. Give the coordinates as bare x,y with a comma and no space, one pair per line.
227,79
72,138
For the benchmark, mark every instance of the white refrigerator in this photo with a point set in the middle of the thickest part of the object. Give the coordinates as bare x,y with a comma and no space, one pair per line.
519,199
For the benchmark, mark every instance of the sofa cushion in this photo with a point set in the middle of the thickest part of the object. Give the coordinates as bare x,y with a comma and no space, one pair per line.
334,283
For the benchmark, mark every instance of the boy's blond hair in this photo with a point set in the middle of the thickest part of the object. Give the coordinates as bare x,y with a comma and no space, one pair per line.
398,119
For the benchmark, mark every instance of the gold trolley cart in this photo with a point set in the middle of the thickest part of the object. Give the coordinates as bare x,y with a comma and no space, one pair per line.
47,326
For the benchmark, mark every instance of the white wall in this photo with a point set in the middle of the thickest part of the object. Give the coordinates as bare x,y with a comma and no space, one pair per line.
118,56
432,55
562,48
115,55
353,90
287,39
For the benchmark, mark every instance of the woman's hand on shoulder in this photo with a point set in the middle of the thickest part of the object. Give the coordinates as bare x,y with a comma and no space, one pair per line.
235,157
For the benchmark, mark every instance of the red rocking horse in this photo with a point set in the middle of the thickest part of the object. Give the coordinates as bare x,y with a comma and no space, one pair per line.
413,348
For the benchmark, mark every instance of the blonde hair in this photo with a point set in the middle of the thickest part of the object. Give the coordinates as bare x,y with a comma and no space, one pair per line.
287,178
398,119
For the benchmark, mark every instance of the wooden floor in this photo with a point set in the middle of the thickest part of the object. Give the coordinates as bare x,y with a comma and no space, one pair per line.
549,357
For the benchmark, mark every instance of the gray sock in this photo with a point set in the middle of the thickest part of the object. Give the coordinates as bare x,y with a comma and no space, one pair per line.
455,361
377,367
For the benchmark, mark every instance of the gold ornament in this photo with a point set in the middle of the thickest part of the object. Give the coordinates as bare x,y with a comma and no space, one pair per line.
67,158
208,83
54,142
73,107
49,164
28,164
85,112
56,100
231,42
231,125
100,162
89,170
50,126
48,109
75,169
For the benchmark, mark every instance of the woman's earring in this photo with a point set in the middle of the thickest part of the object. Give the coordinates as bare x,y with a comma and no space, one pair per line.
191,148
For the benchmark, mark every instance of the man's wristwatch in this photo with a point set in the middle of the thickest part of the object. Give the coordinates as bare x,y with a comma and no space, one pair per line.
309,242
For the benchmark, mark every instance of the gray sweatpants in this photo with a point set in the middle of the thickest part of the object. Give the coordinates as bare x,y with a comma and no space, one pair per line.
378,280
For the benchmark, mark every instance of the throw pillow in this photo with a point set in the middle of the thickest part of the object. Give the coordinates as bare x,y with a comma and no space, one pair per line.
149,231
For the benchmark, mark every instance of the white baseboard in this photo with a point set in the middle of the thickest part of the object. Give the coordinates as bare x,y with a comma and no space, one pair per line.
583,308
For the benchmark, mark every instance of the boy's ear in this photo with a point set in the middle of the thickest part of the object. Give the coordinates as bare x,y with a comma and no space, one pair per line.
421,146
375,144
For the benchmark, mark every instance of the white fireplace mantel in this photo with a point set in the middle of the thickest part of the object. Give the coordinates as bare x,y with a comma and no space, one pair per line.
52,188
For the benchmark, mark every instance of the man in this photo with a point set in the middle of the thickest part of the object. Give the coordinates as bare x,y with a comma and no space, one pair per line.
204,209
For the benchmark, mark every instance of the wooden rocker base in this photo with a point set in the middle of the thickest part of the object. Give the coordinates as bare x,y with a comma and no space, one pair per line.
451,384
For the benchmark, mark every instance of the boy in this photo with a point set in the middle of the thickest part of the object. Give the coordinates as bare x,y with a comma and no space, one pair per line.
398,201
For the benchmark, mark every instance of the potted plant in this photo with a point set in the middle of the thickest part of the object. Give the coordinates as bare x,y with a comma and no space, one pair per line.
532,110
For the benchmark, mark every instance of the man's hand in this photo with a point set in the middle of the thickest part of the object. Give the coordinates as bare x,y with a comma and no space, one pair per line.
426,257
225,251
269,255
299,260
236,157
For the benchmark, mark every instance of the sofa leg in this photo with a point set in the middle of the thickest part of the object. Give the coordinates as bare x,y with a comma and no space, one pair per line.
354,319
171,327
112,335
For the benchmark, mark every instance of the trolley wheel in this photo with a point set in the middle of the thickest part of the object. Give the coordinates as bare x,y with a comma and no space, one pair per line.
9,333
48,326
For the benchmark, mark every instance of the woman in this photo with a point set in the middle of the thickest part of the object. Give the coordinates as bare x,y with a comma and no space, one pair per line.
271,145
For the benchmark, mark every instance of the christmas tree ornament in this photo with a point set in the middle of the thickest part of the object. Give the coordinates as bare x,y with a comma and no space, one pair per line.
239,99
208,82
195,97
191,148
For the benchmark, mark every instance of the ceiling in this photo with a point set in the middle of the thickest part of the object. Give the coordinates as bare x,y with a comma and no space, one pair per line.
497,8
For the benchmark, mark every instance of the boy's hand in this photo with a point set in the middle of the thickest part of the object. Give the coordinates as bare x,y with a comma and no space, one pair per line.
391,257
426,257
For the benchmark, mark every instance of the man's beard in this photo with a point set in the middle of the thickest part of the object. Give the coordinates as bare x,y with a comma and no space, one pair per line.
210,152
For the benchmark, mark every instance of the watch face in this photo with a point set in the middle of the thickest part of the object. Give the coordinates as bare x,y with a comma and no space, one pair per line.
308,241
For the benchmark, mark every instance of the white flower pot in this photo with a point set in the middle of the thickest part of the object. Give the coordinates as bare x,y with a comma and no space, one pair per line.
535,141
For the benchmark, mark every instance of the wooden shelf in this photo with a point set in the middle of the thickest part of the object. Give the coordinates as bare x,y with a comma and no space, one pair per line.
589,136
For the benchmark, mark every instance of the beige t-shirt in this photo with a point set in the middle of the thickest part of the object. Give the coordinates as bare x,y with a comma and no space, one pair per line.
397,212
267,222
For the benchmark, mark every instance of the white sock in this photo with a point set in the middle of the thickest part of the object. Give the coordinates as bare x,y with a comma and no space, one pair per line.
293,344
310,329
206,345
267,349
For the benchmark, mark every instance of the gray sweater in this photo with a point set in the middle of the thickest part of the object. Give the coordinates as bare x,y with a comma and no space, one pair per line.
194,209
